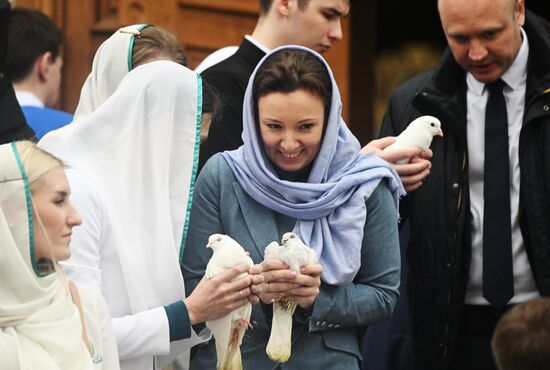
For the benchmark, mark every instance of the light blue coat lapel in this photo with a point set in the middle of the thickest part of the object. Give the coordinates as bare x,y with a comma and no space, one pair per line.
260,220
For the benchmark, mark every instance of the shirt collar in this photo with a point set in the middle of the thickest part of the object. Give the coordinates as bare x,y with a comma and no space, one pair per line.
28,99
258,44
513,77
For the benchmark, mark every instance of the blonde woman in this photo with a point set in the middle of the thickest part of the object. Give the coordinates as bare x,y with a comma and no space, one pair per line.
46,321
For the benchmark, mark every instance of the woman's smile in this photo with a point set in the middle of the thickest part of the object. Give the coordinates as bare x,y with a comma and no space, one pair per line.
291,156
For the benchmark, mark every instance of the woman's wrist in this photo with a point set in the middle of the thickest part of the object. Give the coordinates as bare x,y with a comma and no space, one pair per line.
303,315
194,314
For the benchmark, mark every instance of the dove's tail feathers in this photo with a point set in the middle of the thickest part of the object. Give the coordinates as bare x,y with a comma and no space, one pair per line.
234,362
221,330
278,346
232,359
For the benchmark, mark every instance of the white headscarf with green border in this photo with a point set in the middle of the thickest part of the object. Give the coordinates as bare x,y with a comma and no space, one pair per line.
112,61
37,314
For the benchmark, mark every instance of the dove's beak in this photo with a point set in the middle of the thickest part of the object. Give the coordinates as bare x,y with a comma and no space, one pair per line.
440,132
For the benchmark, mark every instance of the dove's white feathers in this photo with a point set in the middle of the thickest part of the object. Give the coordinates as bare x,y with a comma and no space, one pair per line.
273,250
295,254
228,331
419,133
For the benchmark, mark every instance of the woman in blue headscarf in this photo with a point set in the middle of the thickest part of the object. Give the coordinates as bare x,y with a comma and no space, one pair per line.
300,170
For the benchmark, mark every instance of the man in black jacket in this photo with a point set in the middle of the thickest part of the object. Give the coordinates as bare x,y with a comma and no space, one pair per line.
12,122
465,269
453,312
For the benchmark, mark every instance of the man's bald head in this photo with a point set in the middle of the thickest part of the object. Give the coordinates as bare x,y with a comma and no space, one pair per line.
483,35
511,3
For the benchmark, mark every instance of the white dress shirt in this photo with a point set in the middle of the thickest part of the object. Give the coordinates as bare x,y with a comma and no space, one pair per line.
257,44
28,99
477,95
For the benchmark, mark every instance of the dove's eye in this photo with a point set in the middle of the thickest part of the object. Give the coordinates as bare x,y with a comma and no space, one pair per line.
219,238
432,124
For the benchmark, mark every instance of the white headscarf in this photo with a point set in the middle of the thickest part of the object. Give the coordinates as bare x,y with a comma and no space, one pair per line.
112,61
140,148
36,312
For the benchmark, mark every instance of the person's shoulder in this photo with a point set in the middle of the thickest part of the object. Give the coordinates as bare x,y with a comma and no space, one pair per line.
90,297
415,83
54,114
229,65
217,166
43,120
227,77
81,182
85,195
238,67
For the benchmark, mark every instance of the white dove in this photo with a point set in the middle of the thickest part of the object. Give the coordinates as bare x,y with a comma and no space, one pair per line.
419,133
295,254
228,330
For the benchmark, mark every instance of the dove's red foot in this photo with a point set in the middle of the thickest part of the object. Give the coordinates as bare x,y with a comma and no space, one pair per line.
242,323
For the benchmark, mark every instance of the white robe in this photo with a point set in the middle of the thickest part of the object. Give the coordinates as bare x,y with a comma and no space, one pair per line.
136,158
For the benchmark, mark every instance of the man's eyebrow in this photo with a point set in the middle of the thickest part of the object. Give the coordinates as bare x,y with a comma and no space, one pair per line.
335,12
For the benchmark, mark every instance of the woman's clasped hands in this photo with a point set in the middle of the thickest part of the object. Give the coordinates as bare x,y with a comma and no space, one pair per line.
280,282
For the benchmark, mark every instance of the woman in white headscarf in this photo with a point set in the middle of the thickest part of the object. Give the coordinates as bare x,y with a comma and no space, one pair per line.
46,322
126,49
133,163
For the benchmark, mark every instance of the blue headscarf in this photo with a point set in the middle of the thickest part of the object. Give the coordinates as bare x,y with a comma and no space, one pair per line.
330,207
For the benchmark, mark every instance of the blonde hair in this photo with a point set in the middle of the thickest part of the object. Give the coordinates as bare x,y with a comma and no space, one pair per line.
36,162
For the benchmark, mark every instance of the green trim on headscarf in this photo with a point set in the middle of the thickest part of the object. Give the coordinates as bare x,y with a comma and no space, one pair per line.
195,164
29,207
131,45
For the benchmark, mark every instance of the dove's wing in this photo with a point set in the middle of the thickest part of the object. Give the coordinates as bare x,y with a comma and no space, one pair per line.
221,330
225,259
311,257
273,250
297,254
412,137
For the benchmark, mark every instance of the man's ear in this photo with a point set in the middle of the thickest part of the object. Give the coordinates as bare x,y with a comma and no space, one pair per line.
44,62
520,12
283,7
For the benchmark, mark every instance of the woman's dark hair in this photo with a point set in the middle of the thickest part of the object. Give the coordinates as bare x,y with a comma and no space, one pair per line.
290,70
30,35
211,101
